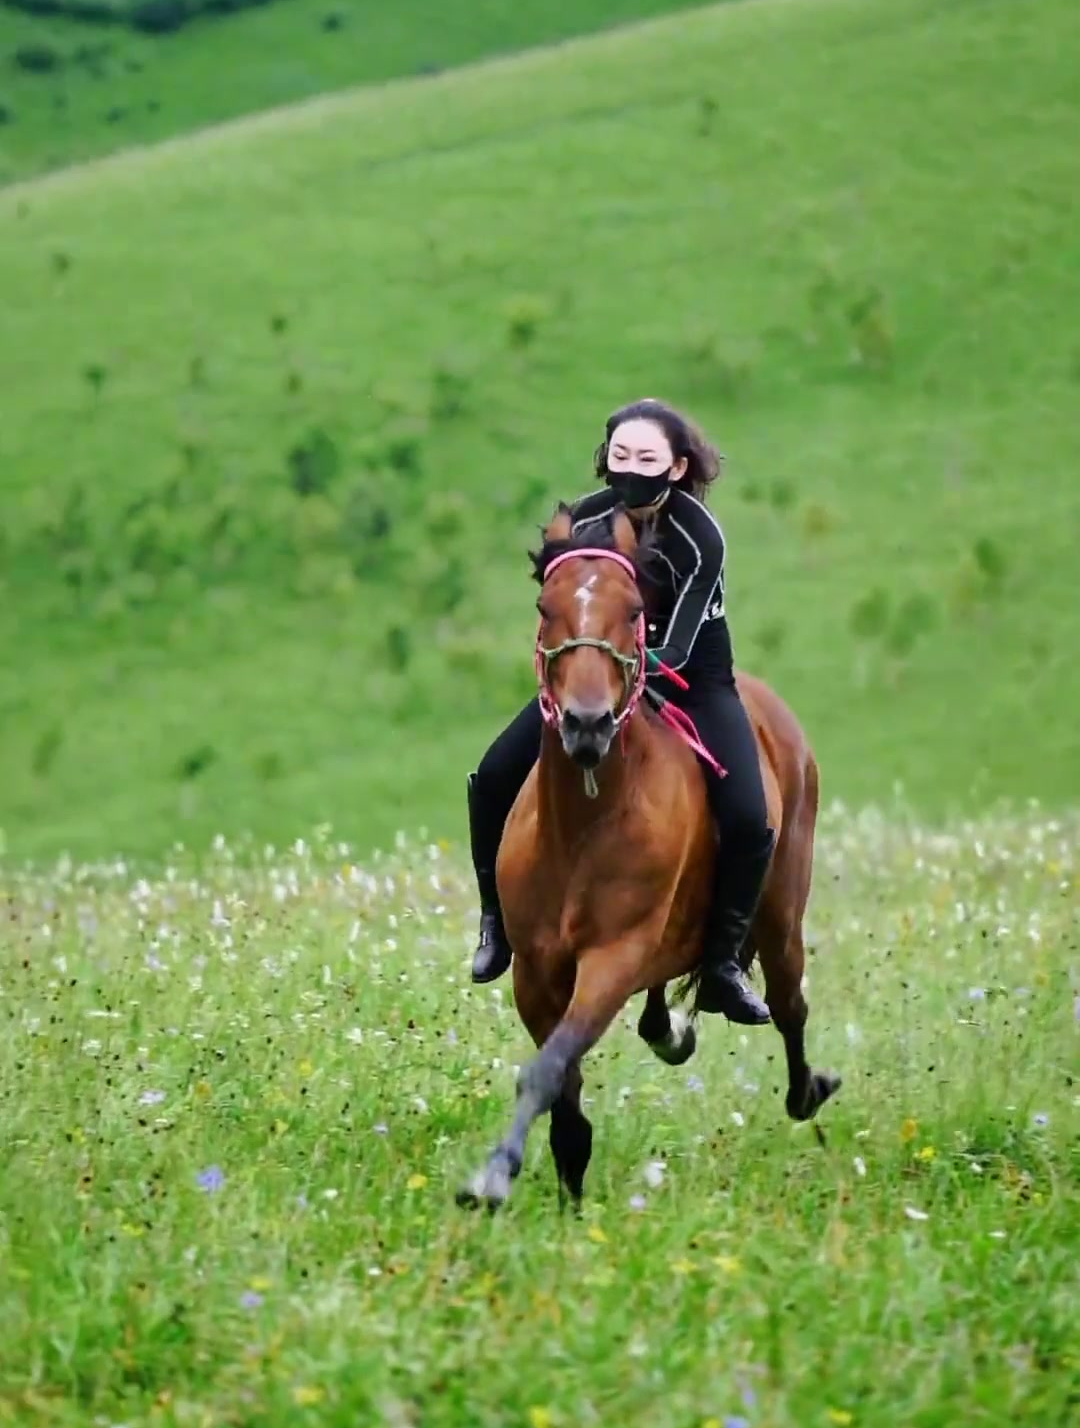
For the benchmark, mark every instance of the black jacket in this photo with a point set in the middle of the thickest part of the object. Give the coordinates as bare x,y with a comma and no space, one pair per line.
687,621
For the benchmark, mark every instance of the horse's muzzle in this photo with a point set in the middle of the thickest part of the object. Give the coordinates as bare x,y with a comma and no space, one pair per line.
587,735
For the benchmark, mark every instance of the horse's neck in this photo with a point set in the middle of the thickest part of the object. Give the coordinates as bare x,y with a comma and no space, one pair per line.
564,801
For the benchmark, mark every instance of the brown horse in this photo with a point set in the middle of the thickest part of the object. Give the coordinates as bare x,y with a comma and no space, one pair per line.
604,869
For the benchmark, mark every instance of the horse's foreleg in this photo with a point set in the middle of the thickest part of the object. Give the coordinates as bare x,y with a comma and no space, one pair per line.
603,983
666,1030
539,1085
571,1137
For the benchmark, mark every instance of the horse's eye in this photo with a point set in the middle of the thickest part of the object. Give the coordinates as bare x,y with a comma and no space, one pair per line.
636,614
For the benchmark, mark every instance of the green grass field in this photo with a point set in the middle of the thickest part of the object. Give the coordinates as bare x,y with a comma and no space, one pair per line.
237,1105
285,403
110,88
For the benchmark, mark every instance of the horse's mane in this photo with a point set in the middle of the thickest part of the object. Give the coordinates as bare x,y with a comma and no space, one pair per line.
598,534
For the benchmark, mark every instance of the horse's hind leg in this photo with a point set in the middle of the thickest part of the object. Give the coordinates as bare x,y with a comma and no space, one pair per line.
666,1030
570,1137
808,1090
779,942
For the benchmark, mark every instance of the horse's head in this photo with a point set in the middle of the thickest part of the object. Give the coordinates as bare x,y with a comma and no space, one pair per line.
590,648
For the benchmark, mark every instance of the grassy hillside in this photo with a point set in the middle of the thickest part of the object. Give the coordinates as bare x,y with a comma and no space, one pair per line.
233,1152
283,405
71,91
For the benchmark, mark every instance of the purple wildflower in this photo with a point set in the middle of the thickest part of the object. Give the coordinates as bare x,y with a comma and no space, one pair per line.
736,1420
210,1179
250,1299
637,1202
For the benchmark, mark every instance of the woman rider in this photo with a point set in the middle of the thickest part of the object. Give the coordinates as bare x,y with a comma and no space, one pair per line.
654,462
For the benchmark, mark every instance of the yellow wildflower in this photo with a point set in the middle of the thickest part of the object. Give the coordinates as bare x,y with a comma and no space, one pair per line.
306,1397
416,1182
909,1130
597,1235
539,1418
841,1417
927,1152
682,1266
545,1303
729,1264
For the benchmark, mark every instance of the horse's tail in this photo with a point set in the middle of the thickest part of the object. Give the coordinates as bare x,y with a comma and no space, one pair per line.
685,987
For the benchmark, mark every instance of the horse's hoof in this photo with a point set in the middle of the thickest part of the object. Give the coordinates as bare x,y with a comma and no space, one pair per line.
825,1085
489,1188
820,1086
679,1044
569,1200
686,1048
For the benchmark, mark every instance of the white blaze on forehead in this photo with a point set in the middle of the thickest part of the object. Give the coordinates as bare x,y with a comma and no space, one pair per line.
583,595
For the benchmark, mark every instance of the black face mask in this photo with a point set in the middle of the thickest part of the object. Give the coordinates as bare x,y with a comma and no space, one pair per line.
636,490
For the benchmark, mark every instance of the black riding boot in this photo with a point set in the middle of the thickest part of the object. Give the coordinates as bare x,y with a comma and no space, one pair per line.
724,986
492,955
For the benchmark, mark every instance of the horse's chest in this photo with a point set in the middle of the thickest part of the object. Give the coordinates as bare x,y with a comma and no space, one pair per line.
541,900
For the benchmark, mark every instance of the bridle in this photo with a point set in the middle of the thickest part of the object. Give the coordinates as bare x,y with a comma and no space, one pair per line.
633,667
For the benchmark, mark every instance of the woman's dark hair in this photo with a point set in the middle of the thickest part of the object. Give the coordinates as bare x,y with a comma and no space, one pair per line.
703,461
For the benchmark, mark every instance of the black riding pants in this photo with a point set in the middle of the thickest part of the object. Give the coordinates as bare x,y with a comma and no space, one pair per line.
737,801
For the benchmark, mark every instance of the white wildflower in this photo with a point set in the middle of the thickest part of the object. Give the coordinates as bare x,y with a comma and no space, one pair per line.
654,1173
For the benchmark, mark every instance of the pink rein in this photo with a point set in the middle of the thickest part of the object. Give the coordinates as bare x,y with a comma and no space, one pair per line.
671,714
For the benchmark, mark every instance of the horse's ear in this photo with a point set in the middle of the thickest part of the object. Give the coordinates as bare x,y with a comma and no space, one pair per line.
622,528
561,523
